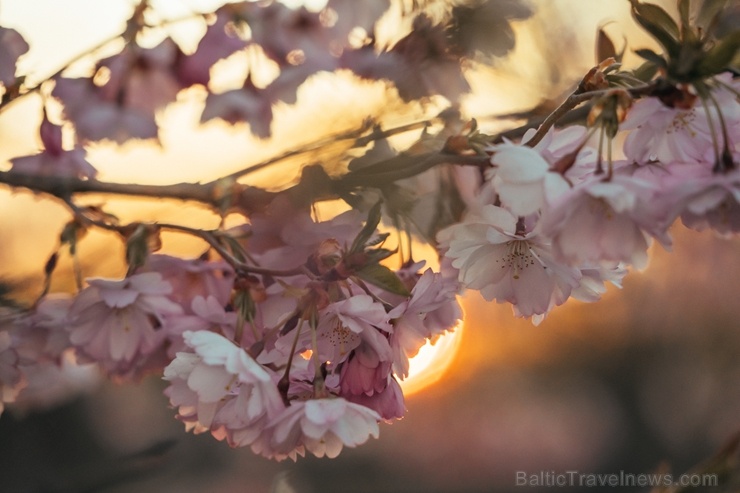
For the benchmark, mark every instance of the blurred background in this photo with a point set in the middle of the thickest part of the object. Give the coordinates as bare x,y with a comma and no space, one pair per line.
647,378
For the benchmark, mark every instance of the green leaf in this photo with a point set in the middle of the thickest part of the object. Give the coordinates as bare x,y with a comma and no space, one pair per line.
652,57
604,47
646,71
373,219
689,35
721,55
383,277
379,254
684,7
659,24
233,245
378,239
708,13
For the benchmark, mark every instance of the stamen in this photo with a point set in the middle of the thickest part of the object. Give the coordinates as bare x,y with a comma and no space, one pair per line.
518,259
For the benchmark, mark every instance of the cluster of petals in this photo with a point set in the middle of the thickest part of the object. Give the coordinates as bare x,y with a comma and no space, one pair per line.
602,221
431,310
38,367
13,47
120,102
507,265
218,387
344,324
11,381
119,323
522,179
54,160
683,135
703,199
321,426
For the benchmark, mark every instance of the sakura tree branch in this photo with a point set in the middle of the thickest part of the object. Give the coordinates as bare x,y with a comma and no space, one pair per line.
389,173
208,236
357,134
214,194
570,103
575,99
125,34
223,195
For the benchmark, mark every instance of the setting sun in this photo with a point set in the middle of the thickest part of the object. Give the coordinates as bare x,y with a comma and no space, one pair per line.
432,361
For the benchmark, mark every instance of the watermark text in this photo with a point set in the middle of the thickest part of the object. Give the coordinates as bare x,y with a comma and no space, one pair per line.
620,479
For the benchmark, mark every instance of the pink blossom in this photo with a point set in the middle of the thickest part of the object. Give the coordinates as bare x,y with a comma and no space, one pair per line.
431,310
522,179
54,160
43,336
119,323
247,104
50,384
49,371
591,285
96,118
388,403
672,135
420,65
343,325
704,199
220,388
321,426
505,264
13,46
219,42
192,277
11,377
208,314
364,372
120,102
351,14
284,237
367,380
604,221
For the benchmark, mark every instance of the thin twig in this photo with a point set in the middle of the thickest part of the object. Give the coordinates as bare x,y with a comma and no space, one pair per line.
360,141
575,99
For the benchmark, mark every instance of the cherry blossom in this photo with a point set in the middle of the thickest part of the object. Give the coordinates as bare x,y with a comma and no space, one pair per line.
704,199
43,335
600,221
677,134
591,285
220,41
505,264
54,160
421,64
321,426
388,403
431,310
13,47
11,381
344,324
207,314
119,323
219,388
522,179
247,104
192,277
292,330
121,101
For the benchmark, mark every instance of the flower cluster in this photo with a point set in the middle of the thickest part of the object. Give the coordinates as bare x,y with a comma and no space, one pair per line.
307,362
290,334
550,223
